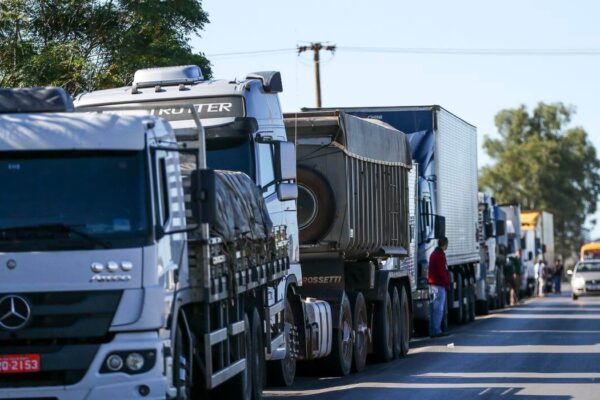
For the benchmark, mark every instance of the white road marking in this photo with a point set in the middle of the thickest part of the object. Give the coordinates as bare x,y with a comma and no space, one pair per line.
506,391
575,391
594,348
484,391
512,375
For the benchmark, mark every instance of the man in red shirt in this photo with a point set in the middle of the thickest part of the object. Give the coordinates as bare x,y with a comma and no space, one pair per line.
439,283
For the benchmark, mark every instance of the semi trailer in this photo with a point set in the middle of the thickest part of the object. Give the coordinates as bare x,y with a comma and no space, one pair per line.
445,147
355,232
132,270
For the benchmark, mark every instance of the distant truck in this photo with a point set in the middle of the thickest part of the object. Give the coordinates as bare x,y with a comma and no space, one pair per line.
445,148
492,246
515,242
538,235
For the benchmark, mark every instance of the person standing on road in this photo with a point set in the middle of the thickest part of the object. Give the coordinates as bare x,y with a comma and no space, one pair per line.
558,273
439,283
537,267
542,277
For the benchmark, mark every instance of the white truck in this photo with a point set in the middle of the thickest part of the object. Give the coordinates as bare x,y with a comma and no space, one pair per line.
538,236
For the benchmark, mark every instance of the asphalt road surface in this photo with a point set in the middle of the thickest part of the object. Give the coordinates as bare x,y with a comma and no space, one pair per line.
544,348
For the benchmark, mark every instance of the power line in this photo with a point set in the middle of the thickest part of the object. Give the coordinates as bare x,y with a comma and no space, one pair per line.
561,52
476,51
251,53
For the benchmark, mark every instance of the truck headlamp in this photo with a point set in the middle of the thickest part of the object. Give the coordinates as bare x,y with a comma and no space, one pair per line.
135,362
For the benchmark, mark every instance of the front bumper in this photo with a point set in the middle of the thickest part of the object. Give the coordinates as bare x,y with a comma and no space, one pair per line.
102,386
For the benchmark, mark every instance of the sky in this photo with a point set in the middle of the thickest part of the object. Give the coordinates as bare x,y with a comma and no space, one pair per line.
474,87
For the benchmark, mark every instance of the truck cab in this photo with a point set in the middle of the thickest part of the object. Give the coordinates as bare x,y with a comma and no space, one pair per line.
82,252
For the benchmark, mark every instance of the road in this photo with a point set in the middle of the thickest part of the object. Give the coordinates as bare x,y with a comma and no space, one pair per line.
544,348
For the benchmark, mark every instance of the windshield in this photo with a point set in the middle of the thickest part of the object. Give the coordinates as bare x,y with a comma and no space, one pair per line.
73,200
588,267
232,154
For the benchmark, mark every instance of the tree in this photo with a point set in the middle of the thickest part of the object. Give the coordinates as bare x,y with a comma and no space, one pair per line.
94,44
545,165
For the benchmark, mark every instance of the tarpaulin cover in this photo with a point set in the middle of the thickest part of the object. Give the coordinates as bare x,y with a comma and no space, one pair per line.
374,140
241,209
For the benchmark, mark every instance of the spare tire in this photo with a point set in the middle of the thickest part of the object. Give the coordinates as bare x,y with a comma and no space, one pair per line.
316,205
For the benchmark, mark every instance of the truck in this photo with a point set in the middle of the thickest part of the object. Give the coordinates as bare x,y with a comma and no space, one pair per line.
489,292
538,235
355,232
244,132
515,244
131,270
445,148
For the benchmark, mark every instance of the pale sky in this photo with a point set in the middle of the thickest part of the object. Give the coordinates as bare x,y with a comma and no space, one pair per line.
474,87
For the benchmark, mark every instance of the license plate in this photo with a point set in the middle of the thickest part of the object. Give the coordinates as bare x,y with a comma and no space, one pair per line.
19,363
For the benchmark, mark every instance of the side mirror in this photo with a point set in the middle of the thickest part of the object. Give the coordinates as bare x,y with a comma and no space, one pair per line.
287,191
500,228
530,256
285,161
204,196
439,226
570,272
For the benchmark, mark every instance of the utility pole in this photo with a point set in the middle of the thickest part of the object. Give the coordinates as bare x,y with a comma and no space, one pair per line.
316,48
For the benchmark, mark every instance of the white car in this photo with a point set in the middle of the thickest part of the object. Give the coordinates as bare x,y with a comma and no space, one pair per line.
585,278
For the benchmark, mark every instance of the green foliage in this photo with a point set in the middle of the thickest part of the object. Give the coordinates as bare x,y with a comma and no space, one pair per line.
94,44
544,165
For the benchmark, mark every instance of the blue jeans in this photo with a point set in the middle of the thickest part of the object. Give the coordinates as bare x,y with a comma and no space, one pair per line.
557,284
436,309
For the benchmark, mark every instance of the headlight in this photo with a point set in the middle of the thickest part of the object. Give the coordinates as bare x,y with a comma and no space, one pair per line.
114,362
135,362
578,281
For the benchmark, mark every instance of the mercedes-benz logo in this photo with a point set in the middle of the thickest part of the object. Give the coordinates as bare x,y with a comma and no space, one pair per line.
15,312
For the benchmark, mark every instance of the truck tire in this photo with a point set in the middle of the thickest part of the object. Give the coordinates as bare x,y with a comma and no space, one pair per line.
316,205
256,356
339,362
182,379
240,386
396,322
458,311
482,307
384,335
471,301
282,372
360,324
405,318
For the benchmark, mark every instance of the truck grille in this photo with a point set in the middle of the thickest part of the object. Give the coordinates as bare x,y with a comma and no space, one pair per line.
65,329
64,317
